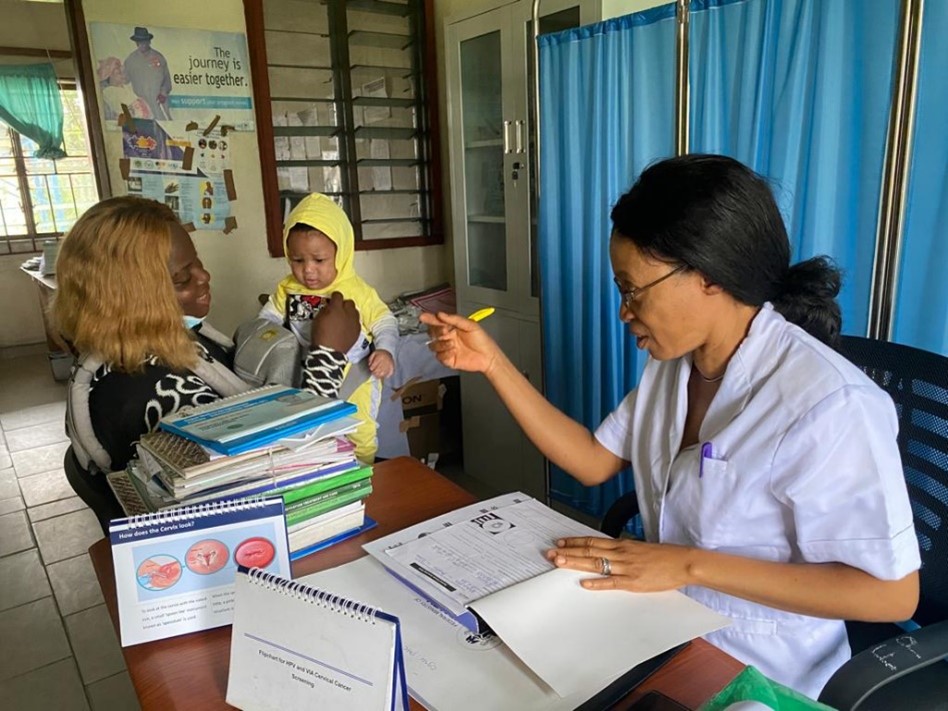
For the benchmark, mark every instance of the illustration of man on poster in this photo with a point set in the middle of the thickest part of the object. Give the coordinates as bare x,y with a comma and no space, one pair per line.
147,69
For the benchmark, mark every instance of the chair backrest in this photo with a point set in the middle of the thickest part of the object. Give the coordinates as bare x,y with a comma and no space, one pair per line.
917,381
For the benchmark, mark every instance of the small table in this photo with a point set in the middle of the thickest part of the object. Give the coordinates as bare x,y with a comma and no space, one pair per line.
190,671
60,357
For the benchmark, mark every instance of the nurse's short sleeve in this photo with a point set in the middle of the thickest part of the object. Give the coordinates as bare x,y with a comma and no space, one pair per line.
615,432
838,468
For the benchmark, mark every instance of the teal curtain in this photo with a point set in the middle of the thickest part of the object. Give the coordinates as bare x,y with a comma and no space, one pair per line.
607,110
799,90
30,105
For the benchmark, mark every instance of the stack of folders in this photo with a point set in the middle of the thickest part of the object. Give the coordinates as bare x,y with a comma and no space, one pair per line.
279,441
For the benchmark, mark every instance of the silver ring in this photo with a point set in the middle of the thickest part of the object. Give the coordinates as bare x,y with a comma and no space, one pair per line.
605,566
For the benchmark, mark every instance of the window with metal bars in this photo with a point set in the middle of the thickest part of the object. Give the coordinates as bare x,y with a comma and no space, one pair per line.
345,106
41,199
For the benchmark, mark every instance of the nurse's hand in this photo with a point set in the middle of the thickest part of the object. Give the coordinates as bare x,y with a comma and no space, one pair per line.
633,565
460,343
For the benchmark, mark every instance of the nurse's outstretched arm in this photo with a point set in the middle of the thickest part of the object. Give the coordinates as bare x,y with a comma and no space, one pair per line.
831,590
462,344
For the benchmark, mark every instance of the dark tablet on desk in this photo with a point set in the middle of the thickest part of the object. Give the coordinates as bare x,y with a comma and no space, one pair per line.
616,691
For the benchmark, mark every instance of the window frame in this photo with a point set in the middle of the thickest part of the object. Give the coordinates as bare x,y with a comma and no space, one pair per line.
23,174
428,127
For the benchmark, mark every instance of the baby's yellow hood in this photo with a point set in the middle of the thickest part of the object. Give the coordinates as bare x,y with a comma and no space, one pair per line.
321,213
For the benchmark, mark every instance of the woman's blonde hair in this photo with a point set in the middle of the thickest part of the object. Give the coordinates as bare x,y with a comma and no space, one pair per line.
114,297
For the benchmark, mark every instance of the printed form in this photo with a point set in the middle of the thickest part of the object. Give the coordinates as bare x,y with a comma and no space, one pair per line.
490,551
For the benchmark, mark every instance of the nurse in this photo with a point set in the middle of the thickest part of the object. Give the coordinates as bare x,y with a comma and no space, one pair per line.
766,465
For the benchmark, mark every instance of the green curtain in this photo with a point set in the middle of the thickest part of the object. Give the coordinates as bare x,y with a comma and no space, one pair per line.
30,105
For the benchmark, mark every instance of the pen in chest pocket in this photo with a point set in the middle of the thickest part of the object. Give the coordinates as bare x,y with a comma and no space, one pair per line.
706,453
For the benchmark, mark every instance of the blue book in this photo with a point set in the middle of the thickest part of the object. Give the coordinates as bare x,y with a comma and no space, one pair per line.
254,419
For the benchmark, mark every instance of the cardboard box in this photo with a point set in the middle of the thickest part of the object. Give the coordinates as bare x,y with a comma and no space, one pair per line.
431,427
421,397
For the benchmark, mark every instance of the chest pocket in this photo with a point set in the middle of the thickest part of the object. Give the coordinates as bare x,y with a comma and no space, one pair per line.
706,510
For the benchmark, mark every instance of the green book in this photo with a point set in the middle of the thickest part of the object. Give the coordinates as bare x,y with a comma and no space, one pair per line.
334,502
321,484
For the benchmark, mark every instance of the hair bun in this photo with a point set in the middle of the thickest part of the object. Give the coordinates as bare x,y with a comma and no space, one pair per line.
808,298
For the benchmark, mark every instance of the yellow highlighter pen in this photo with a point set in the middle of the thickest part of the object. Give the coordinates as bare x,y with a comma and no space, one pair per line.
481,314
478,315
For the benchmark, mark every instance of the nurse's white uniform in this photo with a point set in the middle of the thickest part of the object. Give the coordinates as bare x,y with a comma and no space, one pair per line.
804,467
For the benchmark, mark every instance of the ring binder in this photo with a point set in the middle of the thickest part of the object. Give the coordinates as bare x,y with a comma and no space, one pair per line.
355,662
336,603
184,513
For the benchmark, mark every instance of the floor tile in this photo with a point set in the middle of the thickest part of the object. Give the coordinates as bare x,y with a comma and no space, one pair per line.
27,381
114,694
56,508
95,644
22,579
56,686
40,459
31,636
35,436
15,533
74,584
9,505
8,484
53,412
6,461
67,536
43,488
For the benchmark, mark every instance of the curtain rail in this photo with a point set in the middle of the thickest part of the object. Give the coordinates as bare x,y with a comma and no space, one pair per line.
682,85
892,198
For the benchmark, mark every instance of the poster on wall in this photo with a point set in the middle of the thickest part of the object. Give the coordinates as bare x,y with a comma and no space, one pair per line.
172,74
183,166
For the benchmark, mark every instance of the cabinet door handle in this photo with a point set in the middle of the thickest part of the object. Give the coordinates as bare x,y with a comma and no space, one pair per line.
506,137
518,125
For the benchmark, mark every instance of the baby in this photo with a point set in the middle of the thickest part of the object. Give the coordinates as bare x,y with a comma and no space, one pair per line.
319,244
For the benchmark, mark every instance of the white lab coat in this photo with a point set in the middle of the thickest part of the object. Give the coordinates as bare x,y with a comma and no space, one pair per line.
804,467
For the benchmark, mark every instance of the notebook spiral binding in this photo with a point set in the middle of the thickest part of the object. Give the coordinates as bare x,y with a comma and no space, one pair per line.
185,513
305,593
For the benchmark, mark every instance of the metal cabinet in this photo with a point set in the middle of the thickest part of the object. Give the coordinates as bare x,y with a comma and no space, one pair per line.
493,212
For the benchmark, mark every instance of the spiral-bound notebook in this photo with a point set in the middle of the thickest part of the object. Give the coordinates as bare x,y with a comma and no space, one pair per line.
297,647
174,569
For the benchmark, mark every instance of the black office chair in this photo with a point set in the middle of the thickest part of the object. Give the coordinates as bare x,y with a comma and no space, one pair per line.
892,668
913,676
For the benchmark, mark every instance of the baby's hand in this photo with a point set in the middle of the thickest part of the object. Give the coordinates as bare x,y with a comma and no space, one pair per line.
381,364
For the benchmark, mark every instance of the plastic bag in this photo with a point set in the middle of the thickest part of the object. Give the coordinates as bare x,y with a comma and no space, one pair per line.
751,685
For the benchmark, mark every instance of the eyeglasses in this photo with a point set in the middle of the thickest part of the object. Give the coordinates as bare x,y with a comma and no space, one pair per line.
628,295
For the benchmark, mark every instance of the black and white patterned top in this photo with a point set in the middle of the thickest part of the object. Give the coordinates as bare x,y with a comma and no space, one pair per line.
124,406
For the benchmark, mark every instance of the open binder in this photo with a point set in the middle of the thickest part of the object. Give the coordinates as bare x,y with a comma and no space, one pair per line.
297,647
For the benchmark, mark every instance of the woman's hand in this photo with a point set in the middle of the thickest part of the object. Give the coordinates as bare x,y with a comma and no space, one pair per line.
381,363
635,566
336,325
460,343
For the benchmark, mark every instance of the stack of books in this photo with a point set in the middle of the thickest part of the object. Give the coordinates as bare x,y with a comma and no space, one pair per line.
273,441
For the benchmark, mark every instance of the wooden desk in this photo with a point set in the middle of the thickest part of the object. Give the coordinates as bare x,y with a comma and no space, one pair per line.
191,671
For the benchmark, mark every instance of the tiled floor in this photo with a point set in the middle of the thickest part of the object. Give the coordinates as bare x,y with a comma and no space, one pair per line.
58,649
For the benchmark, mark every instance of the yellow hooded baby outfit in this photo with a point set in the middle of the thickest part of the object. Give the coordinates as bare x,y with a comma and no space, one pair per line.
294,305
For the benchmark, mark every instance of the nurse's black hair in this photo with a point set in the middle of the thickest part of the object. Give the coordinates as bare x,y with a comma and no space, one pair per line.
718,217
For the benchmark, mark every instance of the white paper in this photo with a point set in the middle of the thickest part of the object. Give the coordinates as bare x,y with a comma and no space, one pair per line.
611,631
449,668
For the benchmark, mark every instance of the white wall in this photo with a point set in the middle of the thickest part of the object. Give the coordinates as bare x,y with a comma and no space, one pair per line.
41,26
